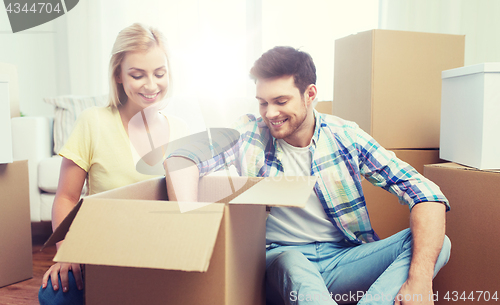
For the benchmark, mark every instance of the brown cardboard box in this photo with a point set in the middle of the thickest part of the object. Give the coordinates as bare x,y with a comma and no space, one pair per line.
325,107
387,216
140,249
389,82
15,225
472,225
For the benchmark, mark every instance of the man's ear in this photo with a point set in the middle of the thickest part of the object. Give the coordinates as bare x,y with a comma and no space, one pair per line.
310,94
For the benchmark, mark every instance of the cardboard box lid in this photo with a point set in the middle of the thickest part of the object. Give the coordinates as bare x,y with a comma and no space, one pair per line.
488,67
156,233
144,234
452,165
278,191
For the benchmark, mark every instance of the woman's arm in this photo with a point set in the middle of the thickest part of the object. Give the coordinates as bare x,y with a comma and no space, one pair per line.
69,189
71,180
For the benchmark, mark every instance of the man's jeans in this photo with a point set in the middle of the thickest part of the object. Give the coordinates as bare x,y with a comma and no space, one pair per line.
338,273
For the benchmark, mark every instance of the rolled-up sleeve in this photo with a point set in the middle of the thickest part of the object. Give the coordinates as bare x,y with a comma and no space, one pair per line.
382,168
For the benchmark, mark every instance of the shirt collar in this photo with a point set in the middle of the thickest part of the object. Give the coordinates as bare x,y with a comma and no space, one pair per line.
318,121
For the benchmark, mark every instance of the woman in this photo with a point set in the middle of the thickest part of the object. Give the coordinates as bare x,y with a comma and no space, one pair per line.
107,142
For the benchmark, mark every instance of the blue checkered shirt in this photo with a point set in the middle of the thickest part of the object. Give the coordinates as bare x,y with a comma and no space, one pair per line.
342,155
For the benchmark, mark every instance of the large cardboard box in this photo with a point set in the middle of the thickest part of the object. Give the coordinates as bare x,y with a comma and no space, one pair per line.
470,112
140,249
387,215
389,82
15,225
472,226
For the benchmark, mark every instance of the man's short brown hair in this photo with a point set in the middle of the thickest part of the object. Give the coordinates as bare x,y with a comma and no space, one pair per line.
283,61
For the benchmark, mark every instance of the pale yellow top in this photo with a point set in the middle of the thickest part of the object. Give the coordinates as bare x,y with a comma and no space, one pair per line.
100,145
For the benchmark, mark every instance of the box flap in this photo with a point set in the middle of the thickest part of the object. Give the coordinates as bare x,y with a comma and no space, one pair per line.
487,67
151,189
279,191
63,227
274,191
143,234
453,165
223,189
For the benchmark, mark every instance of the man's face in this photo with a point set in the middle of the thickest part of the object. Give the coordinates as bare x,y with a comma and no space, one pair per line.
283,108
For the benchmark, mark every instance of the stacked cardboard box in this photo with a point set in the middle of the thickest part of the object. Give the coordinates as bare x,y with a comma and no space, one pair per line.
389,83
469,136
15,230
140,249
471,275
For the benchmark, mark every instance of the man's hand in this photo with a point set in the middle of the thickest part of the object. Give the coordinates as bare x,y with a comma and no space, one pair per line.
415,293
62,269
427,223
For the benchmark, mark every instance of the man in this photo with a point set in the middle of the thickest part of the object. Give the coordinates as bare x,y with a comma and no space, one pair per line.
327,253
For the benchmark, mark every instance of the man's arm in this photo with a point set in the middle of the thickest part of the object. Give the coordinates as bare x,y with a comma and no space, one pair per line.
182,177
427,223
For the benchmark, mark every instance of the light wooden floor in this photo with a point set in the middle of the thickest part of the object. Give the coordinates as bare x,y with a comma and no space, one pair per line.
26,292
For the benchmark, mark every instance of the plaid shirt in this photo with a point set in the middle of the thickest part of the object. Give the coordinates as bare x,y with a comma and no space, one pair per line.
342,154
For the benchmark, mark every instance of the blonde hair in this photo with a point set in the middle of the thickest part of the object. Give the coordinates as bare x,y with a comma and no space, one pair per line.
137,37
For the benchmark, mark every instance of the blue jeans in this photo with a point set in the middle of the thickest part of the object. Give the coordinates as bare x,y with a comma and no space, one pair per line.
339,273
47,296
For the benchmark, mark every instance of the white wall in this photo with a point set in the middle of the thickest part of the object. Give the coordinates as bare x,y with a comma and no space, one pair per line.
313,26
478,20
33,53
212,43
51,60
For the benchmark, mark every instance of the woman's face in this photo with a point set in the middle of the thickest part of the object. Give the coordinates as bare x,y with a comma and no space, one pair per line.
144,77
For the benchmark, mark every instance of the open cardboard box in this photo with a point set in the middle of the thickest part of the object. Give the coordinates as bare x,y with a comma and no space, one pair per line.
140,249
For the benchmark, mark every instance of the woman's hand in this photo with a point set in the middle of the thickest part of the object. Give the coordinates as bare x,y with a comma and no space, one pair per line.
62,269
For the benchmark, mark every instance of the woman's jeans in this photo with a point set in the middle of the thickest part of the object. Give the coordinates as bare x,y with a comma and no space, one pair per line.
339,273
73,296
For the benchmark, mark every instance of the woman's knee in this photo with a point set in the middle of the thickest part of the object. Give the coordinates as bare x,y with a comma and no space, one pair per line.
50,296
45,295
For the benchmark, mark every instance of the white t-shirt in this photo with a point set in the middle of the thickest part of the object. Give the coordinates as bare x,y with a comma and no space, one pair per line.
288,226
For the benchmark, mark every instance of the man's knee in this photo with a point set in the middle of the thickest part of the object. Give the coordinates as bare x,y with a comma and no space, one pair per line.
287,259
444,256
